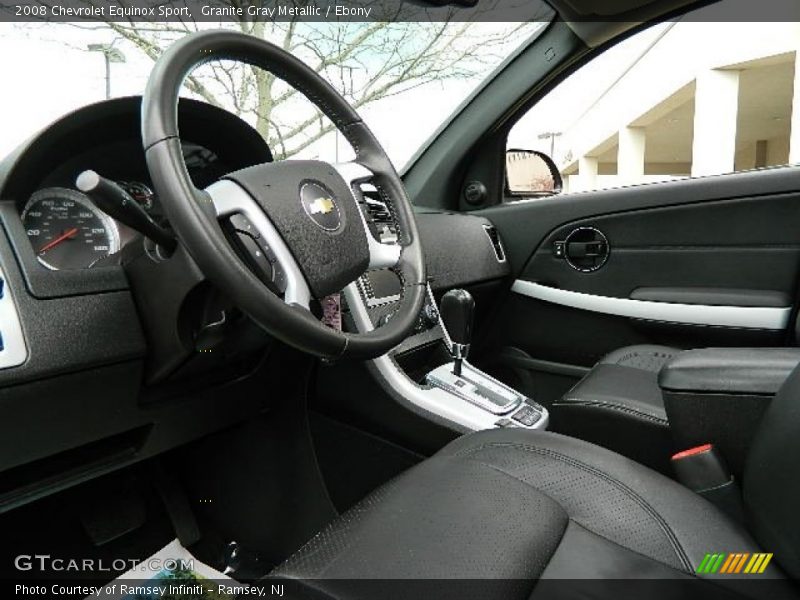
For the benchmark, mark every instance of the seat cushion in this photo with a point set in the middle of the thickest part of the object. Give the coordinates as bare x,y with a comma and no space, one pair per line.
512,507
618,405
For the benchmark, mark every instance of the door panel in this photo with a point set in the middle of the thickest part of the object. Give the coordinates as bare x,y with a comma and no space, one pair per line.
693,263
717,244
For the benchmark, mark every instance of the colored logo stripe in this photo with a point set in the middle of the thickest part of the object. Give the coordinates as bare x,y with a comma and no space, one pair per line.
730,563
734,562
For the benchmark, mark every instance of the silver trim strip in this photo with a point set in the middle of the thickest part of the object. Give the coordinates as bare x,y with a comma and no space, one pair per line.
229,198
745,317
14,351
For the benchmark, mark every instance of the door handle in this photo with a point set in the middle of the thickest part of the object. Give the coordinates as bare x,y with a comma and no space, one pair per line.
585,249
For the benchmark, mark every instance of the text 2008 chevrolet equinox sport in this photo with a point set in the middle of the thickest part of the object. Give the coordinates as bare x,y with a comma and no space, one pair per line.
555,355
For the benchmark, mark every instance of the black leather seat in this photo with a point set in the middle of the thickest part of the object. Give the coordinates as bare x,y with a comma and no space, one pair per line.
501,513
618,405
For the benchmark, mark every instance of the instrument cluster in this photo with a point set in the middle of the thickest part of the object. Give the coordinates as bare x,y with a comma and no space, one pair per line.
65,227
73,228
67,231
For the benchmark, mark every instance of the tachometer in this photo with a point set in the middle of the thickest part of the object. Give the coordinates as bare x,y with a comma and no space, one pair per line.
67,231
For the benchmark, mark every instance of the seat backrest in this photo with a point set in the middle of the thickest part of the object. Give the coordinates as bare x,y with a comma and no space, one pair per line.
771,483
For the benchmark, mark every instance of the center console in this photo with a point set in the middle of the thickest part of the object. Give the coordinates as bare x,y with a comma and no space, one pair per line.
428,373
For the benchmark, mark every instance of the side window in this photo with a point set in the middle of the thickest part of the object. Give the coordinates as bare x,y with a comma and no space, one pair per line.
681,99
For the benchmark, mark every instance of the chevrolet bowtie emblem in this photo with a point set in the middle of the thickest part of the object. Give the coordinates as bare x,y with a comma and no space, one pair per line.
321,206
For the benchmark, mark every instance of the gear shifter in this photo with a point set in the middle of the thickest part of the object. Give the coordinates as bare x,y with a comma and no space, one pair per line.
457,310
464,381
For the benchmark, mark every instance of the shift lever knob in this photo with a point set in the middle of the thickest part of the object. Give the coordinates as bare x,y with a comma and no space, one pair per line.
457,310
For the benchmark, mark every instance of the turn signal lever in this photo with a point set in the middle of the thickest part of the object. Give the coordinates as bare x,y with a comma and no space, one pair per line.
457,310
117,203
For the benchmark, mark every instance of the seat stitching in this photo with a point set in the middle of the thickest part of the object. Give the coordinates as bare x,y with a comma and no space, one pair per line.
611,405
497,469
636,354
480,462
616,543
668,532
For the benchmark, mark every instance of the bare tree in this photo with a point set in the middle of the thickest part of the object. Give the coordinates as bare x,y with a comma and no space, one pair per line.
365,61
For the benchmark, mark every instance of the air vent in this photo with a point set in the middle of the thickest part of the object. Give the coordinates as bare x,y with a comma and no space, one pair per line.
494,237
380,220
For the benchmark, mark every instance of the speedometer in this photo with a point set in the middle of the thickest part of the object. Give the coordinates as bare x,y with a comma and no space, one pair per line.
67,231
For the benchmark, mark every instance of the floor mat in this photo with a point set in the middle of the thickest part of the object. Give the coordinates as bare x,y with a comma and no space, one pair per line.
171,573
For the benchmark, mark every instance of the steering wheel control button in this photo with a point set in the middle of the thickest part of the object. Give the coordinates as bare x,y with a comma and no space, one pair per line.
320,205
278,278
243,225
255,257
261,259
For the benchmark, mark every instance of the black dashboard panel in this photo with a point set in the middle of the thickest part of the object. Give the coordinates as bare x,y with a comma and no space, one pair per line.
77,406
106,137
459,250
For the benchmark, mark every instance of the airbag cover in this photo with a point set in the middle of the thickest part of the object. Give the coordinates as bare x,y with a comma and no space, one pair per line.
316,213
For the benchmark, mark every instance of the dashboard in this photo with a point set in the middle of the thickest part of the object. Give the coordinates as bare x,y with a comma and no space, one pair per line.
66,231
107,360
80,331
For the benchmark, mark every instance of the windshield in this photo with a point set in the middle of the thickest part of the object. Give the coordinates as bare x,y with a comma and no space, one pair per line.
404,78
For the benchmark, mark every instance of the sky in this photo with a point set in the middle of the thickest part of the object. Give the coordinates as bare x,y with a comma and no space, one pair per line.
47,72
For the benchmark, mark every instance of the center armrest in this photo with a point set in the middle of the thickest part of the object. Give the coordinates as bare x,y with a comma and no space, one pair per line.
718,396
729,370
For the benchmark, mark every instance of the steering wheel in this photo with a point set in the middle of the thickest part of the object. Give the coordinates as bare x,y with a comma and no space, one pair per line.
304,214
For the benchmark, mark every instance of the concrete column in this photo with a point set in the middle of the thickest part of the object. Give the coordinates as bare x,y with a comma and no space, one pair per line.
716,103
587,174
794,132
630,155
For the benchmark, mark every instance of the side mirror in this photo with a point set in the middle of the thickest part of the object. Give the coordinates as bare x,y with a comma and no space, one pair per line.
531,173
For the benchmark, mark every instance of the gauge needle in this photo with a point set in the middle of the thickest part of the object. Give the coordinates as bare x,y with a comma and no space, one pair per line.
64,236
